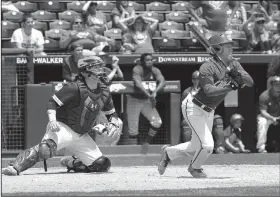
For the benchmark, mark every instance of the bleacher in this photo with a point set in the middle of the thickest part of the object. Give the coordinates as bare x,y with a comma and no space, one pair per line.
53,17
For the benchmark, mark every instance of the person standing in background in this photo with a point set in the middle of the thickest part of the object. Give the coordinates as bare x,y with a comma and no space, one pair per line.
148,81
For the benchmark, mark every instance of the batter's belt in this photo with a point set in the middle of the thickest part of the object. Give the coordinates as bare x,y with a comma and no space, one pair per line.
202,106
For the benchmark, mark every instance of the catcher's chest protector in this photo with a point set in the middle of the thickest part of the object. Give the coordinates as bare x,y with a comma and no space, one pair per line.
82,117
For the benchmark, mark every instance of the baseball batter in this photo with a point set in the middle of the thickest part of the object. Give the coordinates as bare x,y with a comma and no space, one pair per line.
72,112
148,80
198,110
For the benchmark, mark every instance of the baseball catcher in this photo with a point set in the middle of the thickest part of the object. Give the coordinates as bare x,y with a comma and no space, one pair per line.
72,113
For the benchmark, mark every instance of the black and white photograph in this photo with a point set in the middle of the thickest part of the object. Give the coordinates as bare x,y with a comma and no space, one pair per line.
140,98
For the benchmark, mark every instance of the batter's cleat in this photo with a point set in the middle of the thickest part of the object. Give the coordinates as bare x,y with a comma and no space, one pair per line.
162,165
144,148
197,173
9,171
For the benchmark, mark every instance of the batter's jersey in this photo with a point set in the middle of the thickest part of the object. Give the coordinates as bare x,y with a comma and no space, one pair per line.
148,78
80,107
214,74
269,103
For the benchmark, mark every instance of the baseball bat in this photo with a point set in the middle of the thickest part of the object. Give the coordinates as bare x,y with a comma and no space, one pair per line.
201,38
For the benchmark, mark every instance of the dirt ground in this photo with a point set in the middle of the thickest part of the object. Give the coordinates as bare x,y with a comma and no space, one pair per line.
224,180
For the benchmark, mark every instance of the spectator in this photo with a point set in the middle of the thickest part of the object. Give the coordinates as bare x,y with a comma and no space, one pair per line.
273,70
257,35
122,11
275,40
95,20
27,37
218,135
85,37
240,14
269,105
215,19
148,81
138,34
185,128
232,133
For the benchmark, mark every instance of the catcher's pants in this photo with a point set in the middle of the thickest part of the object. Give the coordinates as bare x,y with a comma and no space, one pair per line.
263,125
136,106
201,144
82,146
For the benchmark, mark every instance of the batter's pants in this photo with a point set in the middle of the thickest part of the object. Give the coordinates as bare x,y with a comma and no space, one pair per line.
136,106
201,144
262,128
82,146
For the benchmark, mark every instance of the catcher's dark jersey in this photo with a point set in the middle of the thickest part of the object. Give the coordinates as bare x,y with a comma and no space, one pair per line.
80,107
148,78
214,74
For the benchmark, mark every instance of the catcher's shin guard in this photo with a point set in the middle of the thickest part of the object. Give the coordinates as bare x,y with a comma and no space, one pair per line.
29,157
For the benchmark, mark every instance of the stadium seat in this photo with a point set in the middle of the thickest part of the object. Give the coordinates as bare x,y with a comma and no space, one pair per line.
166,45
153,14
76,6
170,25
55,33
6,43
60,24
179,6
42,26
42,15
178,16
137,6
51,44
174,33
26,6
13,16
105,6
8,28
113,33
68,15
52,6
157,6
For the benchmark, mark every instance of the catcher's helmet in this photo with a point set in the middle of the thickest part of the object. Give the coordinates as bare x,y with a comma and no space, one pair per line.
219,39
92,63
236,117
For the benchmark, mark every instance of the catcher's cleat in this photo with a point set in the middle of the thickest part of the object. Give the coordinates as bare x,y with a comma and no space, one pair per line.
145,148
197,173
162,165
9,171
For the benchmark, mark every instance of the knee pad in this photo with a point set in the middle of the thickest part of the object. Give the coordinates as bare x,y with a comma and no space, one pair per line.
102,164
47,149
156,123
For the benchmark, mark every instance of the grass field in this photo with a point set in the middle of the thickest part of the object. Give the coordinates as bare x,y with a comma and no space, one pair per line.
258,178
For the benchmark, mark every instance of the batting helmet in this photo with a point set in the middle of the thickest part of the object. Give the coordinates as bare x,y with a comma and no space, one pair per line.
235,117
219,39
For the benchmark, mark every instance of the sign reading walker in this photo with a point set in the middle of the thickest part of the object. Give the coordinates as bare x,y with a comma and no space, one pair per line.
41,60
